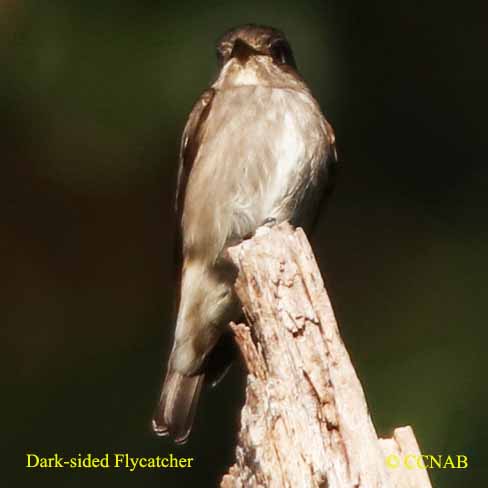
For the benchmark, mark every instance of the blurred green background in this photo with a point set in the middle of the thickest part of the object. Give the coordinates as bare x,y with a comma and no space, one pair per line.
93,99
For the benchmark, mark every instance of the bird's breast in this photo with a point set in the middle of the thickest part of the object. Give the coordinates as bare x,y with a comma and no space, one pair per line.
260,146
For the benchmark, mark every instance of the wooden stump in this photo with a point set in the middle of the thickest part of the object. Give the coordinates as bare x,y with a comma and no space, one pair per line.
305,422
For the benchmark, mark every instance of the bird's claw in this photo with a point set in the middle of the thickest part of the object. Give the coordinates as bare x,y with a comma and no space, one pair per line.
269,222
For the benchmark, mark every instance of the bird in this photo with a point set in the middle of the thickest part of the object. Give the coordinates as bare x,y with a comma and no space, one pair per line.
256,149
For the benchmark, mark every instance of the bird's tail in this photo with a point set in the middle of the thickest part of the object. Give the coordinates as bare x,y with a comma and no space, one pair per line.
177,404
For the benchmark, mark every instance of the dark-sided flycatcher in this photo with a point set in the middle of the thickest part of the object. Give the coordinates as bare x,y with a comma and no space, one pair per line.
256,148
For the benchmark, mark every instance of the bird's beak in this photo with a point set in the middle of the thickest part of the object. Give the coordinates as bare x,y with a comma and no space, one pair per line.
242,51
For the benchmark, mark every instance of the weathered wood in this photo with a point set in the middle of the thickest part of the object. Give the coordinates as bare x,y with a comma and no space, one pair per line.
401,453
305,422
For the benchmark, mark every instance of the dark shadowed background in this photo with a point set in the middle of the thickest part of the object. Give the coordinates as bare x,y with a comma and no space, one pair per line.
93,99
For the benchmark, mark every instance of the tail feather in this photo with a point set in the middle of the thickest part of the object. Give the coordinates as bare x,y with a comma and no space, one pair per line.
177,405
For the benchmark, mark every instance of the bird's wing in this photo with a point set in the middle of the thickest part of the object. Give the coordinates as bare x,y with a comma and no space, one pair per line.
190,143
179,396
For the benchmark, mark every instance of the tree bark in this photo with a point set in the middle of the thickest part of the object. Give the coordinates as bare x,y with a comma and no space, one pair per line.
305,422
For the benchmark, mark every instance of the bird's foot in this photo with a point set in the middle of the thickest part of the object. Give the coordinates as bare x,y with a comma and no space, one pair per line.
269,222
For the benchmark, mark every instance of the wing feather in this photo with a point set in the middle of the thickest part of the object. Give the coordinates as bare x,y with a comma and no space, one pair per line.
190,144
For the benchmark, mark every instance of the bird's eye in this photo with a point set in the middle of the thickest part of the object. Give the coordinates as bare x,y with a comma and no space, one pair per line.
281,53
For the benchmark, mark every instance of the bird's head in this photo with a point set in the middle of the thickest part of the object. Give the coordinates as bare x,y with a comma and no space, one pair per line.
252,51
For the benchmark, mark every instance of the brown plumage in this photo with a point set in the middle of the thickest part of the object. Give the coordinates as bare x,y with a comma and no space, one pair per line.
256,147
177,405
